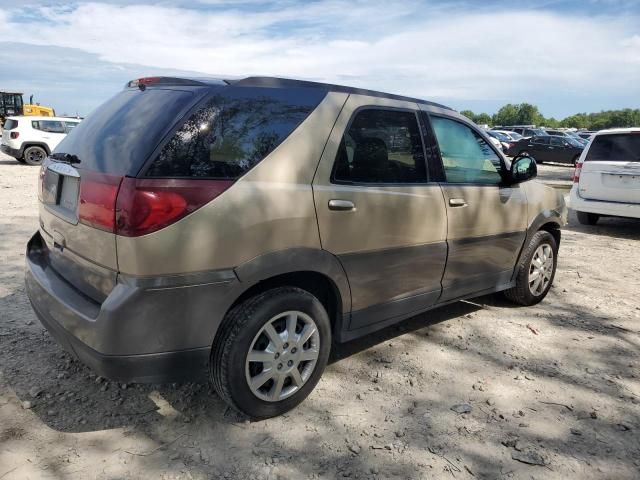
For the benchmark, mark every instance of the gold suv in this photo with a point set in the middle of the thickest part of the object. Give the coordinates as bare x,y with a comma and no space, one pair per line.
236,229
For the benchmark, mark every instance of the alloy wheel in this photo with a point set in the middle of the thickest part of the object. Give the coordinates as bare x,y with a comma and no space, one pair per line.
541,269
282,356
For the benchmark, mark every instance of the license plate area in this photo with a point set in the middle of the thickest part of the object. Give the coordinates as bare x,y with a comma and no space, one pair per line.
60,192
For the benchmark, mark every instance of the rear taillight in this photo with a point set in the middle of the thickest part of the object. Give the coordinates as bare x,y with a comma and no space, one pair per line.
14,135
576,172
98,193
146,205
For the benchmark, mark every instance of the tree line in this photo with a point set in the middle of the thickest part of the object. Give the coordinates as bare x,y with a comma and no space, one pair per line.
527,114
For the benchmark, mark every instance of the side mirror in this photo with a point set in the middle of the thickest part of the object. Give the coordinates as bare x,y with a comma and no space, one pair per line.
523,168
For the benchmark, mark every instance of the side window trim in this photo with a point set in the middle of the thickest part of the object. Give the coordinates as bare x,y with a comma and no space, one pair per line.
503,167
416,113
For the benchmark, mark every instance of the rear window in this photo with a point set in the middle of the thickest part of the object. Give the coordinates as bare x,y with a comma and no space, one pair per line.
615,148
234,130
120,135
10,124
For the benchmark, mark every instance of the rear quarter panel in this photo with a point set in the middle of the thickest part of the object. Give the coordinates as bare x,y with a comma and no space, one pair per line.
269,209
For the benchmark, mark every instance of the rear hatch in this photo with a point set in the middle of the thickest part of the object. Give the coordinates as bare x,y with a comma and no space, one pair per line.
611,168
79,182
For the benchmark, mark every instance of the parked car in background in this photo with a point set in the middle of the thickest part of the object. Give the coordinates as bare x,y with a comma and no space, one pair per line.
567,134
496,143
524,130
513,136
587,135
606,181
501,138
548,148
30,139
238,229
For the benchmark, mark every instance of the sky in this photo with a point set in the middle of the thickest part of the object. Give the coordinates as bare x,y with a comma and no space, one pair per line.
564,56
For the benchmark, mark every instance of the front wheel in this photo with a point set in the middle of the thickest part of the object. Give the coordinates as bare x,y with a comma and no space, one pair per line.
271,352
536,270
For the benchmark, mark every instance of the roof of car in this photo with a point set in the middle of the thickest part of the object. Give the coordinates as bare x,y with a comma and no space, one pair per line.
618,130
276,82
43,117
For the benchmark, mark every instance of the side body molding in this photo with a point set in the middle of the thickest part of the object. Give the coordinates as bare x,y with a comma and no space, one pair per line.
293,260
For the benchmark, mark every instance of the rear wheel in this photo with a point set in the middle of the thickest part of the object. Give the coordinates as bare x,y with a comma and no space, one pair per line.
586,218
271,352
536,270
34,155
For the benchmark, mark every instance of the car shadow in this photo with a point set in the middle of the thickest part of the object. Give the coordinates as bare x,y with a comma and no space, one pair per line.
617,227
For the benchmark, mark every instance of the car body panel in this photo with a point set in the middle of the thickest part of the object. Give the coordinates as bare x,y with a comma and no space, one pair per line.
399,228
275,199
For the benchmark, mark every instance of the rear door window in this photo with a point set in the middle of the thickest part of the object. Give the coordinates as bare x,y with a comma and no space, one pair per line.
615,148
234,130
557,142
49,126
381,146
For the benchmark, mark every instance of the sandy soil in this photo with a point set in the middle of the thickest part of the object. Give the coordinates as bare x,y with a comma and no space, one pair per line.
556,385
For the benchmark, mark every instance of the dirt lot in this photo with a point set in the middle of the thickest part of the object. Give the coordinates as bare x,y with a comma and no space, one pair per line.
551,391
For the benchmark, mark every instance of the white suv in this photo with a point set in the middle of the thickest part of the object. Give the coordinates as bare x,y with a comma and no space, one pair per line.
606,181
31,139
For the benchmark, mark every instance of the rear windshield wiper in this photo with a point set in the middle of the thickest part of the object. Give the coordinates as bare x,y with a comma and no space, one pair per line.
65,157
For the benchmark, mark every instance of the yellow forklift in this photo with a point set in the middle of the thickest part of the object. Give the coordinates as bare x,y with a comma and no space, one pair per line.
11,104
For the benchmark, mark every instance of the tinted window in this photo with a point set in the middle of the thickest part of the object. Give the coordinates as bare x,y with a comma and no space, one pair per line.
233,131
10,124
70,126
51,126
466,157
381,146
557,142
541,140
119,136
615,148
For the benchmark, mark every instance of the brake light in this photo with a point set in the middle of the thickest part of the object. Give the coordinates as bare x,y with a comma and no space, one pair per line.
14,135
98,193
146,205
576,172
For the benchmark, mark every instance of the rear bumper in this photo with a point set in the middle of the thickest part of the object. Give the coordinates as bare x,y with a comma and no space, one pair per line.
146,330
14,152
614,209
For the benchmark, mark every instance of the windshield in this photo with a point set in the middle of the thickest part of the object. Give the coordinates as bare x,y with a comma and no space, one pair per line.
500,136
516,136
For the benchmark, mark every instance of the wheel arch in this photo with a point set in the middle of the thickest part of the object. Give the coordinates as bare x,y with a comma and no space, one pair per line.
313,270
28,144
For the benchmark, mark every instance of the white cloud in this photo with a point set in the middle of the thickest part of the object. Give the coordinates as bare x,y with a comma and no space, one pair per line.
428,51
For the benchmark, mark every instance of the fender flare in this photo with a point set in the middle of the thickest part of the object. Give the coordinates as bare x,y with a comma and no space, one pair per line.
294,260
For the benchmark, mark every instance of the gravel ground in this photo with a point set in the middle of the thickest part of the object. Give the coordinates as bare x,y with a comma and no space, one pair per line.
479,389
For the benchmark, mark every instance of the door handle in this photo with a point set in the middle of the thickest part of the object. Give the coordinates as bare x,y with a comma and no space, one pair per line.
341,205
457,202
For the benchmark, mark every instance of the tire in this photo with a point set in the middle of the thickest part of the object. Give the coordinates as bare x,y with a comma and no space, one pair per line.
586,218
243,331
526,291
34,155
